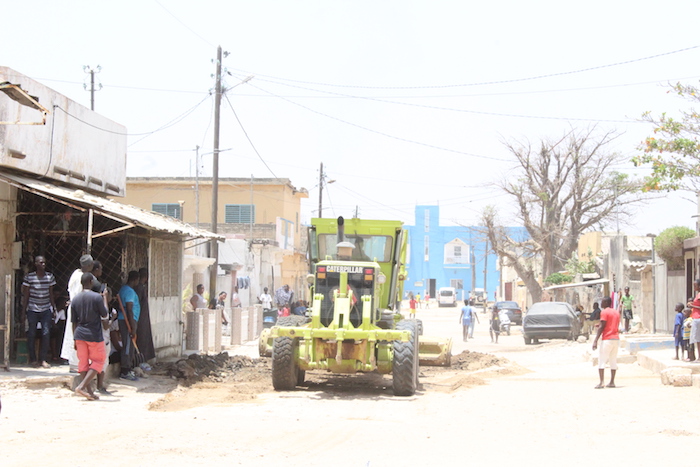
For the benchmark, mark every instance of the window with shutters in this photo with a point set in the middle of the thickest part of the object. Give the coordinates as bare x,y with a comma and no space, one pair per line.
240,214
168,209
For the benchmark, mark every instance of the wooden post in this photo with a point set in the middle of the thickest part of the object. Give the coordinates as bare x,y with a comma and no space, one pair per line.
8,322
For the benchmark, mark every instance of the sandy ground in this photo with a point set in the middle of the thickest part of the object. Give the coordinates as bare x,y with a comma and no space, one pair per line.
501,404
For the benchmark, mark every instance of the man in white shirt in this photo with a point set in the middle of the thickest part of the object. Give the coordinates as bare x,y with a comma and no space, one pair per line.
266,300
74,288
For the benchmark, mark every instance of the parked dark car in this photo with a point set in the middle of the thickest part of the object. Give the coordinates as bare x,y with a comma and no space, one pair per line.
550,320
515,314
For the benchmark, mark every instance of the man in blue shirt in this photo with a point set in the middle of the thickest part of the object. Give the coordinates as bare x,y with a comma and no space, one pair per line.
132,307
466,319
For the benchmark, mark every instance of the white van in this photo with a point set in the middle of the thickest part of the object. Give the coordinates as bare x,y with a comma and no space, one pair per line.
447,296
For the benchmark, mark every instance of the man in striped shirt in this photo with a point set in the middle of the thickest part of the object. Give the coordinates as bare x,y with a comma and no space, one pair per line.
38,306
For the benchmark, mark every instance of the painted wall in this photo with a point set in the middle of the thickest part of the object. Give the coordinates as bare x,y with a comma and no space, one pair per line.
441,263
272,199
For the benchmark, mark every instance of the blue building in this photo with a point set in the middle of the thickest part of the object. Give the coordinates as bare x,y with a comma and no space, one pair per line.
449,256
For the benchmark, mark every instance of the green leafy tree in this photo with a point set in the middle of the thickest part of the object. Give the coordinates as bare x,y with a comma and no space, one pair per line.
669,245
576,265
558,278
673,151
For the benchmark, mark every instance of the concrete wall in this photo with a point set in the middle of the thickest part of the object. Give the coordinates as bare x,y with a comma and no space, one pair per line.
76,145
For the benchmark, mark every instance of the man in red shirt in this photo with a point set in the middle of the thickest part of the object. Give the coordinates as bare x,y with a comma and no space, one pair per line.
609,329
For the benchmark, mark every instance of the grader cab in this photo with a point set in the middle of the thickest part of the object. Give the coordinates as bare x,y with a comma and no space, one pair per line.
355,324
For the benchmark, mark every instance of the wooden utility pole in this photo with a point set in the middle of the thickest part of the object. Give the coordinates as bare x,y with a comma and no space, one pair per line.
214,249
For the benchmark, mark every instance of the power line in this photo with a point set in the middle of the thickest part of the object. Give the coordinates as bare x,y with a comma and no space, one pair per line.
451,109
485,83
182,23
106,130
173,122
248,137
406,140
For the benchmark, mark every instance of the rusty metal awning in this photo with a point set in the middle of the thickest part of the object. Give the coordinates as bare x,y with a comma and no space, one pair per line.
131,216
578,284
17,94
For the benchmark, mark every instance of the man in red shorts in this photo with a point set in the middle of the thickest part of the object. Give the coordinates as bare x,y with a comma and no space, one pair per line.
89,308
609,329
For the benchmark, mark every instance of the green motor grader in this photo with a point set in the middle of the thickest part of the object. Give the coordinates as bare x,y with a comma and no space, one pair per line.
355,324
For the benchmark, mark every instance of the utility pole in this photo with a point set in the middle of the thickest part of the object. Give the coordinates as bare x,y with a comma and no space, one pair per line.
320,192
214,249
92,72
486,267
196,186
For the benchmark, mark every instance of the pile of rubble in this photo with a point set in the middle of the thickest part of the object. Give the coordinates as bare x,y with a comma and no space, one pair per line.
472,361
216,368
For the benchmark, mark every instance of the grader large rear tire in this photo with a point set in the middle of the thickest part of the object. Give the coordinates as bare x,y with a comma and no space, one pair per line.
405,369
285,371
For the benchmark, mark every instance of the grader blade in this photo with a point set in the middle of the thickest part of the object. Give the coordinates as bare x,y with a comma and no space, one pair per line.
434,351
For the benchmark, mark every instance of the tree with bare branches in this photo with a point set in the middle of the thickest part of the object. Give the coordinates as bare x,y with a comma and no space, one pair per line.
561,190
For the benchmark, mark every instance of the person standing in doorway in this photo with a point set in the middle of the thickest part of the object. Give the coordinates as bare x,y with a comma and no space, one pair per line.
74,288
609,330
626,305
38,306
145,335
129,331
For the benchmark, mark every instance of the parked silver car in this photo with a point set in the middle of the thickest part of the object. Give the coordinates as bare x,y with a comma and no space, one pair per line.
550,320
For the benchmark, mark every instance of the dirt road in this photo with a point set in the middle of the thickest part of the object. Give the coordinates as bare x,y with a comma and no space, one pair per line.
536,406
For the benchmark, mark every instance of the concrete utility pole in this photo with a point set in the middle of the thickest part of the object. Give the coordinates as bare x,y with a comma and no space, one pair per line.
214,249
196,186
320,192
92,72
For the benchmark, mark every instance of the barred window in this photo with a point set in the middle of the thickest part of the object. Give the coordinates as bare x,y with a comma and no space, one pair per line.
169,209
240,214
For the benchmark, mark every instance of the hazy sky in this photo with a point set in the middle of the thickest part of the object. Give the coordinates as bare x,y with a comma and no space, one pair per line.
405,102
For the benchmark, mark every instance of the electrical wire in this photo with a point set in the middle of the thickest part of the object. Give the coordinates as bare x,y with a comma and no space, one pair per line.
485,83
406,140
182,23
248,137
106,130
171,123
452,109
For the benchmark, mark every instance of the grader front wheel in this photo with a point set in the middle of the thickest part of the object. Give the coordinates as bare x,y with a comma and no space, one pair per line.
405,368
285,371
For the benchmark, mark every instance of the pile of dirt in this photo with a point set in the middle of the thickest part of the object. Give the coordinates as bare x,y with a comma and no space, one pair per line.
472,361
213,368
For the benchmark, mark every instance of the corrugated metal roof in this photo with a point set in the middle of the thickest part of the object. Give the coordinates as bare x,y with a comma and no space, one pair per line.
635,243
577,284
130,215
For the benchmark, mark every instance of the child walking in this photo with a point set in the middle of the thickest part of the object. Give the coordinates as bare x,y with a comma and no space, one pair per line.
678,329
